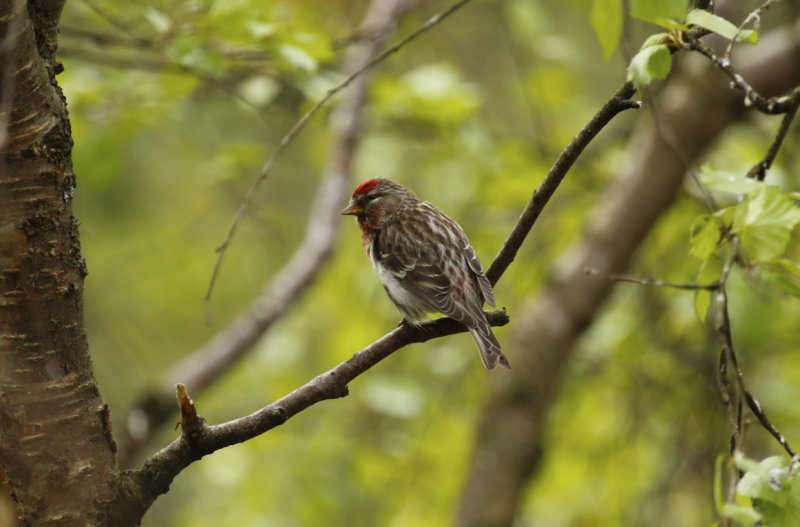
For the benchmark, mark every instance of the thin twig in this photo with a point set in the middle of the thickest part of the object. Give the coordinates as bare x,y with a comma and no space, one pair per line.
124,27
727,400
728,356
755,407
158,471
671,140
206,364
618,103
156,474
162,64
753,17
298,127
759,170
649,281
105,39
767,105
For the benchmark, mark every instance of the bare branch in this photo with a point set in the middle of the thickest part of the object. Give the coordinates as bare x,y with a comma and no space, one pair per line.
728,356
106,39
618,102
648,281
768,105
298,127
204,366
155,476
731,400
755,407
120,25
160,469
514,422
759,170
754,17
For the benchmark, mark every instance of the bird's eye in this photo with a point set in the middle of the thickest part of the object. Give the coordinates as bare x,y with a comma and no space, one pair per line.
372,197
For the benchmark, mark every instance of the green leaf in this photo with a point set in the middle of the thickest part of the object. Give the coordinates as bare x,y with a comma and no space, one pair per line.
743,514
298,57
607,18
433,93
655,39
764,223
702,301
726,181
705,236
726,215
768,480
783,274
261,30
719,501
746,516
710,272
665,13
652,62
774,485
720,26
786,515
158,19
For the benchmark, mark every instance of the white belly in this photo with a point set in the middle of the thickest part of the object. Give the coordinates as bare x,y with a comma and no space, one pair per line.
408,304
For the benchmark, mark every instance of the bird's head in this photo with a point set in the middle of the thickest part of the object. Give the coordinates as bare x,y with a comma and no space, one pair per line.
378,201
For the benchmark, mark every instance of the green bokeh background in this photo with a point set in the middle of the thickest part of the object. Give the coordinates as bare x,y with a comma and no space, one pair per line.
171,124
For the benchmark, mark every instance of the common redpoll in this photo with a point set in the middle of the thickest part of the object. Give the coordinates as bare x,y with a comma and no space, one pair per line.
424,260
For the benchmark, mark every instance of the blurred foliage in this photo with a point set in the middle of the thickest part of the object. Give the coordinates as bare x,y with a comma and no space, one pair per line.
175,104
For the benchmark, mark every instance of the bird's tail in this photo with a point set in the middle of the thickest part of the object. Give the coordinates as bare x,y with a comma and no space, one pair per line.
491,354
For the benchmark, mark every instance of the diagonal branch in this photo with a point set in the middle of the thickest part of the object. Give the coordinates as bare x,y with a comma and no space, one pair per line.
159,471
613,277
619,102
208,363
514,424
759,171
768,105
728,356
199,439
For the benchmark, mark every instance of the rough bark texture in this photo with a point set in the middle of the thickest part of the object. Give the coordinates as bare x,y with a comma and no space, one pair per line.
55,440
695,109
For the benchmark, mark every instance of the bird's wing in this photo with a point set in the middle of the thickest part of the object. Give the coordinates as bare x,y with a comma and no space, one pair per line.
470,256
475,266
420,269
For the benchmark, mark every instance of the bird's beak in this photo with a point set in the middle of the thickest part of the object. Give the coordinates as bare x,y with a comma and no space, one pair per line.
353,209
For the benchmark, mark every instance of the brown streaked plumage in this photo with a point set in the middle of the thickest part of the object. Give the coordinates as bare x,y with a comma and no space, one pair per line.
424,260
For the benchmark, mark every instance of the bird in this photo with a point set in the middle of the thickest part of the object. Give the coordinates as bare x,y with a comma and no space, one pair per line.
425,261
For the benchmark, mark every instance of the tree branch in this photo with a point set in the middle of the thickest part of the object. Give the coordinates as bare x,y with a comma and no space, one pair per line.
649,281
200,439
512,430
55,438
728,356
204,366
768,105
759,170
618,102
160,469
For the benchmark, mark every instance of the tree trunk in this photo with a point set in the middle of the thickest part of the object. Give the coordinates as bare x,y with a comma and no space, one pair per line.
55,437
694,110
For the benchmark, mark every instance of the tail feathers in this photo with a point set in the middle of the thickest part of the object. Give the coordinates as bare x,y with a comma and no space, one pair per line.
491,354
